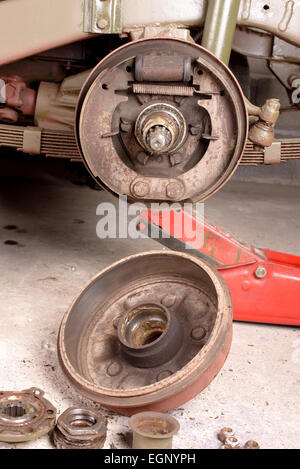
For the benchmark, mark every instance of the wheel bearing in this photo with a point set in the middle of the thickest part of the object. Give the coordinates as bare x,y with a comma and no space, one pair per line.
25,415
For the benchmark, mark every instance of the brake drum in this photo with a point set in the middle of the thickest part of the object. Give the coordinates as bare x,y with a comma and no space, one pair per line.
161,119
148,333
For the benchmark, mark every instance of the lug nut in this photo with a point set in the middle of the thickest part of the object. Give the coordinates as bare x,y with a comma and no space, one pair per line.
233,442
251,444
225,433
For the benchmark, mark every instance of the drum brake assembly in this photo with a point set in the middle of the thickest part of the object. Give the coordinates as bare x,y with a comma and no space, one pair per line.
161,119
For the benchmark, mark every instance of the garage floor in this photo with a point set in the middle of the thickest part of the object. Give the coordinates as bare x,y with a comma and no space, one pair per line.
57,252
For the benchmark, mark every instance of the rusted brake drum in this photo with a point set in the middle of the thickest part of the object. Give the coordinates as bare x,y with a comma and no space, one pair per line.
161,120
148,333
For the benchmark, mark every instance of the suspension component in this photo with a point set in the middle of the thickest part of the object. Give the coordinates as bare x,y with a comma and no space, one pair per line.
262,132
15,98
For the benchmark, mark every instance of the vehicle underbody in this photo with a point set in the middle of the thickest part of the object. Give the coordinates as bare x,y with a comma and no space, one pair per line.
142,95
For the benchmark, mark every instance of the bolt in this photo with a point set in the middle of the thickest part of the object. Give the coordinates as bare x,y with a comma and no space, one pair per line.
102,23
198,333
260,272
141,188
251,444
174,190
168,301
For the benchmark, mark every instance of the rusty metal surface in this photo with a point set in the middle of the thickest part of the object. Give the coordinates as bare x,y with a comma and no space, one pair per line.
212,149
225,433
55,144
91,353
289,150
251,444
162,68
25,415
80,428
149,335
262,132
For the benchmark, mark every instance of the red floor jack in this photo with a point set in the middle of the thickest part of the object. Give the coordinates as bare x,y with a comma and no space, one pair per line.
264,284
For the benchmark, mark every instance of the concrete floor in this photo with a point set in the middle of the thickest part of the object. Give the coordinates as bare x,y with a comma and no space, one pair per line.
258,391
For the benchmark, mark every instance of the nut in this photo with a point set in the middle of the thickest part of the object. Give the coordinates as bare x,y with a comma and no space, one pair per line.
174,190
260,272
80,428
141,188
233,442
251,444
225,433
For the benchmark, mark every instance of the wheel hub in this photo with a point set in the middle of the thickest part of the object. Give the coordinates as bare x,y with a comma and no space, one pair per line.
149,332
160,128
